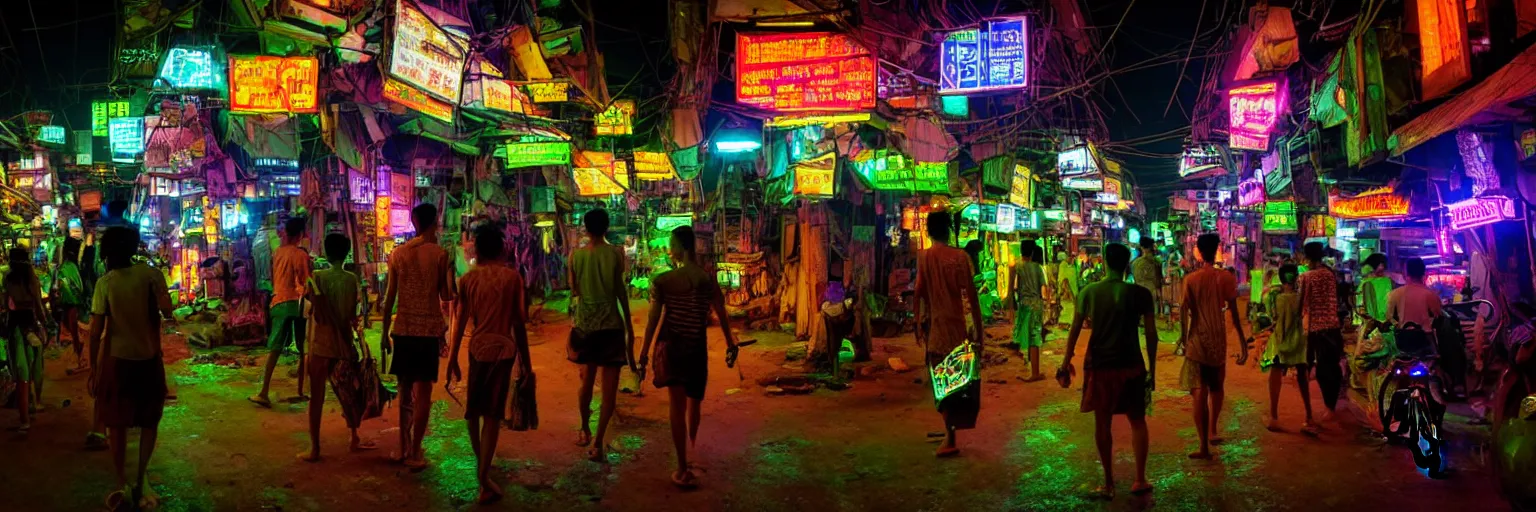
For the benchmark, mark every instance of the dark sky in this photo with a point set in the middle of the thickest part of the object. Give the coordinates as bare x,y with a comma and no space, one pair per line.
77,38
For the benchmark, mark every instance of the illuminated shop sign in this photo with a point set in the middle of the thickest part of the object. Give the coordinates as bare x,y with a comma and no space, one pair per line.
1023,183
654,166
1378,203
192,68
1077,161
531,154
1200,161
1110,194
1481,211
549,92
1007,218
276,163
597,173
994,56
895,172
1250,192
51,134
262,84
1252,111
1319,226
414,99
618,119
1279,217
102,111
804,71
1443,42
428,54
126,135
1086,183
500,95
795,121
667,223
815,178
360,184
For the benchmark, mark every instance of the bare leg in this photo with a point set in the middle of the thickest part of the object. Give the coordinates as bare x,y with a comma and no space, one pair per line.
584,403
1306,400
407,405
694,407
147,438
72,324
1217,397
1034,363
1202,424
1105,442
605,412
24,403
420,416
485,454
1139,445
680,435
473,423
119,446
266,376
1274,399
320,373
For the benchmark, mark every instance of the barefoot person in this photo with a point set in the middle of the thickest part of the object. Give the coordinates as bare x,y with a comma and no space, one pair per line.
290,271
1319,291
420,280
602,338
1287,348
1027,326
1115,378
69,297
334,297
944,291
682,299
128,380
491,299
24,334
1204,332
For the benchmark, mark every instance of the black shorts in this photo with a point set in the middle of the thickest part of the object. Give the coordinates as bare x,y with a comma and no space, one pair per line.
488,384
602,348
416,358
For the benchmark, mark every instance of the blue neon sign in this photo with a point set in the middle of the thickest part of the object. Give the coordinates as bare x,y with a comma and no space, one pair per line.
995,56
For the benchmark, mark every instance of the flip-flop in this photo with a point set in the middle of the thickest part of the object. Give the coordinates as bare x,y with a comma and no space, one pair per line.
264,403
118,500
1139,489
685,480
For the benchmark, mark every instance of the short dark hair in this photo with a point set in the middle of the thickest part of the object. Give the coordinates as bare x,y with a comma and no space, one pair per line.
1314,251
1416,268
1029,249
1288,273
684,237
1147,242
424,216
596,222
71,249
938,226
1117,257
1208,244
1377,260
973,249
489,242
294,228
118,245
337,247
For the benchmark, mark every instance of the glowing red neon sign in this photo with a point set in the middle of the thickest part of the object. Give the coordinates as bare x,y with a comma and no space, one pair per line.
804,71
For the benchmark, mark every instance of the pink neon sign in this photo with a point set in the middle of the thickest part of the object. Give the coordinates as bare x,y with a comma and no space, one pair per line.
1481,211
1253,109
1250,192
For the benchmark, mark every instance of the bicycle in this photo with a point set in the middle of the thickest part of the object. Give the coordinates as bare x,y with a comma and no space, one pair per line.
1411,401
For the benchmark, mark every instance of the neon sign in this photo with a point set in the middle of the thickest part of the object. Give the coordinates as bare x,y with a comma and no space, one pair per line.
994,56
126,135
1250,192
191,68
1023,183
1076,161
51,134
1252,112
1089,183
618,119
1378,203
1110,194
814,178
1443,40
1279,217
264,84
497,94
667,223
102,111
549,92
532,154
427,55
1200,161
654,166
1481,211
1476,157
804,71
414,99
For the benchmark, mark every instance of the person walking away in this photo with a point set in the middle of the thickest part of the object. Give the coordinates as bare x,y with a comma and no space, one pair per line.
290,273
1412,310
1027,326
1286,349
1204,331
69,295
944,292
420,279
25,312
1147,271
1319,291
128,381
603,337
1115,382
491,297
682,300
334,297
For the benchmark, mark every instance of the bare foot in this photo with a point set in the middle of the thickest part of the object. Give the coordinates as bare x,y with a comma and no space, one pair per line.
596,454
120,499
1200,455
396,458
261,401
1140,488
1274,426
310,456
489,492
416,463
148,500
946,451
1035,378
584,438
1102,492
685,479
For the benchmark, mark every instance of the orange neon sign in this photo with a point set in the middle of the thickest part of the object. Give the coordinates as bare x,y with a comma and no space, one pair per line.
265,84
1377,203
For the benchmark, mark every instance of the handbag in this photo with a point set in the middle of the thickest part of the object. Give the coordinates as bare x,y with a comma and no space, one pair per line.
356,377
524,404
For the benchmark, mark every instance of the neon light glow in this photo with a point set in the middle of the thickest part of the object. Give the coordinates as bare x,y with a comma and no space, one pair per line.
815,178
955,106
126,138
654,166
192,68
804,71
51,134
1250,192
264,84
1279,217
994,56
427,56
102,111
1378,203
1200,161
1110,194
1077,161
1088,183
414,99
532,154
1481,211
549,92
670,222
1443,46
1019,191
618,119
1477,158
820,119
1253,110
737,146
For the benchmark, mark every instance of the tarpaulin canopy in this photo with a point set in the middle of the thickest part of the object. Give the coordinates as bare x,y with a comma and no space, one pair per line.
1485,102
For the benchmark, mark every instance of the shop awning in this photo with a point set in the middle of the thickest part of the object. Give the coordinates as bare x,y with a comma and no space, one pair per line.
1484,103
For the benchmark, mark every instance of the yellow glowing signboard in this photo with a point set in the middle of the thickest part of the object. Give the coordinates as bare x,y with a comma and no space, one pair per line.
1443,45
497,94
274,84
425,54
1023,181
405,95
102,112
549,92
1378,203
815,177
821,119
618,119
654,166
593,182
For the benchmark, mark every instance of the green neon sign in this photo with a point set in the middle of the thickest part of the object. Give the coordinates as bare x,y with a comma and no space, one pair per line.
532,154
1279,217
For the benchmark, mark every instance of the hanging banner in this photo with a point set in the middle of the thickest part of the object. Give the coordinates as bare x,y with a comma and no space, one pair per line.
804,71
994,56
1378,203
406,96
126,136
533,154
1444,49
52,134
262,84
360,184
1481,211
653,166
593,182
814,178
1279,217
500,95
686,162
1111,193
191,69
1319,226
1253,109
1019,190
618,119
426,54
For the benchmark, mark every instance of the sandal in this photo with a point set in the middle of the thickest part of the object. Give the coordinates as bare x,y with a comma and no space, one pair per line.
264,402
119,499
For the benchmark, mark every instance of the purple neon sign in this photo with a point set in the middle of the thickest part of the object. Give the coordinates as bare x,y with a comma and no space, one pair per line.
1481,211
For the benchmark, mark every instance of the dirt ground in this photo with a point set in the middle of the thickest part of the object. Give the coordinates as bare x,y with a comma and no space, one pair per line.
863,448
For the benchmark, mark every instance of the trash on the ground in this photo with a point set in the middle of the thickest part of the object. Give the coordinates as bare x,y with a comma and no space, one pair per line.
732,391
898,365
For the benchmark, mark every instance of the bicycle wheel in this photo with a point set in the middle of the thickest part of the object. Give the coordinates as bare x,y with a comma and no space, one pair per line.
1424,435
1390,426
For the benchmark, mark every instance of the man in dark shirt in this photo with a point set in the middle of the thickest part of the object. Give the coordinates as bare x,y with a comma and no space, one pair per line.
1116,380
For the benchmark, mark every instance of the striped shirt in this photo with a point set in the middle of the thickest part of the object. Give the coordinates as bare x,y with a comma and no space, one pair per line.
686,293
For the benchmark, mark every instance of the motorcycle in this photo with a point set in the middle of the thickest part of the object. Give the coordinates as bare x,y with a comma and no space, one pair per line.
1514,414
1411,401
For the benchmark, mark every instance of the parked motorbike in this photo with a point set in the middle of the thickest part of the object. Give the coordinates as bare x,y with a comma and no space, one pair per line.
1514,414
1411,401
